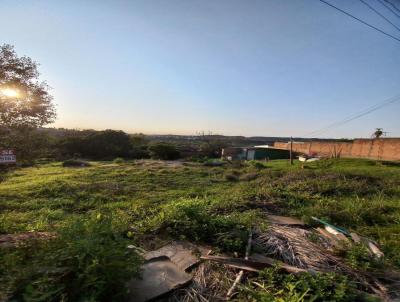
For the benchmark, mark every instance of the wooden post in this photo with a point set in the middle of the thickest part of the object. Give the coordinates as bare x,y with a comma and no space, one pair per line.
291,150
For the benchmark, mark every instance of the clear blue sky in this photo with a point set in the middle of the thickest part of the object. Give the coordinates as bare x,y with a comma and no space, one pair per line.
268,67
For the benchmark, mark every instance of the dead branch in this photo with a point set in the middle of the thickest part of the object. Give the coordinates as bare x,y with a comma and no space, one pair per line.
240,275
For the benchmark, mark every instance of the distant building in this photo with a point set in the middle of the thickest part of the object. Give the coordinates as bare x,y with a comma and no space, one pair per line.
263,152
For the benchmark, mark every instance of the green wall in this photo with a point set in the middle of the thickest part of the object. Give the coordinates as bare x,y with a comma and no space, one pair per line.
271,154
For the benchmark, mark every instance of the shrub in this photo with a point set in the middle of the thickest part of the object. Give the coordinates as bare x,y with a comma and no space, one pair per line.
98,144
87,261
198,159
118,160
196,219
75,163
325,163
214,163
249,176
275,287
163,151
139,152
256,164
231,177
359,257
212,149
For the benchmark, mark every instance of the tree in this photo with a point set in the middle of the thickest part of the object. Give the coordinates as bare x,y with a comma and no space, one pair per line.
212,148
25,102
378,133
98,145
139,146
163,151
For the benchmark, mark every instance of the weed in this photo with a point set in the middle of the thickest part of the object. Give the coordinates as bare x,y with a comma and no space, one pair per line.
231,177
118,160
193,202
195,219
359,257
87,261
249,176
75,163
325,163
273,286
256,164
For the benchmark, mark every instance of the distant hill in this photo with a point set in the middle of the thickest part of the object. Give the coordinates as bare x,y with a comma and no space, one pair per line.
231,140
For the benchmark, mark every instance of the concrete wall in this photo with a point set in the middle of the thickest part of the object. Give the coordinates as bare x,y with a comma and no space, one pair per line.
382,148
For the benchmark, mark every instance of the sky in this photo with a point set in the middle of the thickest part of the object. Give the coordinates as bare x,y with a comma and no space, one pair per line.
253,68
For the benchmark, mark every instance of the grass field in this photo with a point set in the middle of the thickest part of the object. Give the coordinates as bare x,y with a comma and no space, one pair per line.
148,202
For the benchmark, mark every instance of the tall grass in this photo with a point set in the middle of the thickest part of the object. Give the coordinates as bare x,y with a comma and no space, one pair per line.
153,200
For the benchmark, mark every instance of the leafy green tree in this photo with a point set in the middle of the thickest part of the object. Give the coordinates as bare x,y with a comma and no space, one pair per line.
25,102
212,148
163,151
139,146
106,144
378,133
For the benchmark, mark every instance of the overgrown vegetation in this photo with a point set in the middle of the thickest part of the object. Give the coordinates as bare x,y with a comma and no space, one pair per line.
88,260
272,286
163,151
28,105
198,220
153,201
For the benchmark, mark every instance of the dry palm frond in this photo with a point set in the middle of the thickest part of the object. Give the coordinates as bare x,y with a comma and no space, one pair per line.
210,283
292,246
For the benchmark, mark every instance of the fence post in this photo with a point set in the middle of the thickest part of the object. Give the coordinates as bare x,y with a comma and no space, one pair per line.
291,150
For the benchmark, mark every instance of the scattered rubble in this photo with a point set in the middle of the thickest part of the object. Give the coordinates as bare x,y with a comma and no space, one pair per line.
175,269
159,276
375,250
307,158
344,235
164,270
184,254
332,227
282,220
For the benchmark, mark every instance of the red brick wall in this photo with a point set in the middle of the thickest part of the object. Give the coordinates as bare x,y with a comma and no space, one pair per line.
383,148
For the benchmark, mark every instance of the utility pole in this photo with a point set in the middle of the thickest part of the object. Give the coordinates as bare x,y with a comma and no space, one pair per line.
291,150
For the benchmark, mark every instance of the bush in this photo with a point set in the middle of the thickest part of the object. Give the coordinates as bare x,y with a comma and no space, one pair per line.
249,176
118,160
98,145
163,151
75,163
87,261
195,219
231,177
214,163
256,164
325,163
212,149
139,152
359,257
278,287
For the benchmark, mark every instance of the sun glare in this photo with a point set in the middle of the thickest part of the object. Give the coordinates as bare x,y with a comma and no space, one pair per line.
9,92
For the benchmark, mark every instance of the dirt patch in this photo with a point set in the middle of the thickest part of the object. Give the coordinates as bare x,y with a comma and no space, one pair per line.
13,240
159,163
